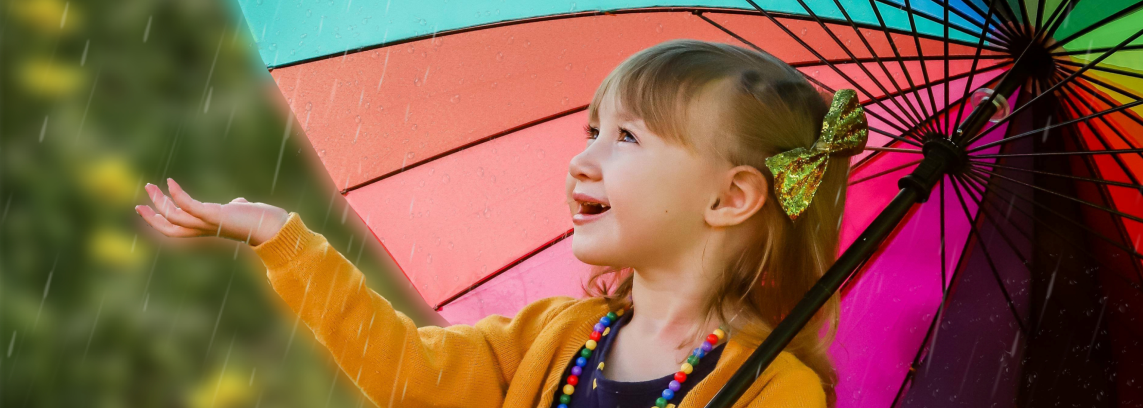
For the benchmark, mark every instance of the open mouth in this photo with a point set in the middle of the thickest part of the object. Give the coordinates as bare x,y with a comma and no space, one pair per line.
590,208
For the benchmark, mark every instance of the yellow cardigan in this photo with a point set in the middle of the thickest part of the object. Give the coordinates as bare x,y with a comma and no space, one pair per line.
497,362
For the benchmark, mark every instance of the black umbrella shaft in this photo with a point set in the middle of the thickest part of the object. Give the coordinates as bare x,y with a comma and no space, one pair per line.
941,155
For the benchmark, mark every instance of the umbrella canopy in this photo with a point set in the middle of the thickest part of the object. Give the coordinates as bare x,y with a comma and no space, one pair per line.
449,128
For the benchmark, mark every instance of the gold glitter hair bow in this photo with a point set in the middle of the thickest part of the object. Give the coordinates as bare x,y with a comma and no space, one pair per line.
798,172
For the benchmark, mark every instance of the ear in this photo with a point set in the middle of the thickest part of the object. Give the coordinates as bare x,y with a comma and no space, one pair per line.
742,195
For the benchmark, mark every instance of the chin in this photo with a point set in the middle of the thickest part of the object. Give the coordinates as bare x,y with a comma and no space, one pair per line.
592,252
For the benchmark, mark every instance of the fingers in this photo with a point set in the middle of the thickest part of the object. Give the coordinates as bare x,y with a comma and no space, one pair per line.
209,214
167,207
160,223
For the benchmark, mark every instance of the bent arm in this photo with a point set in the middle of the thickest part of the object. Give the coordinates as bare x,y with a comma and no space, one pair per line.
380,349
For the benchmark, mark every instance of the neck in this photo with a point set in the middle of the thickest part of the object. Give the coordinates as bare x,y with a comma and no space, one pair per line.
670,300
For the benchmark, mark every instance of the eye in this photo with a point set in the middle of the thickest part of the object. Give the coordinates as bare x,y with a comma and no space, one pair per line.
628,133
590,131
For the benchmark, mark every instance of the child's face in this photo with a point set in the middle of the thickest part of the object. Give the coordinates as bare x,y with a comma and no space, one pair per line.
657,192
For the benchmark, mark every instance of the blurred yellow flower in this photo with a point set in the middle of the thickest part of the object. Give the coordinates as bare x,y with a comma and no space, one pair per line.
43,77
222,390
111,179
48,15
113,246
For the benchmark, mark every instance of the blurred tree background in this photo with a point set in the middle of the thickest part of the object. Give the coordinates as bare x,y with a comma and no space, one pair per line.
96,308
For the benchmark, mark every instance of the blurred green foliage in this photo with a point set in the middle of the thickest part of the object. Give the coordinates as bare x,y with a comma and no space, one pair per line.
97,309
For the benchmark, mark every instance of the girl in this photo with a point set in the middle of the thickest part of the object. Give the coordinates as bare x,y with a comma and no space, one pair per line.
693,198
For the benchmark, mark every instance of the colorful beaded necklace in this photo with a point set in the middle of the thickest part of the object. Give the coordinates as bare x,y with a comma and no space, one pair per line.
602,329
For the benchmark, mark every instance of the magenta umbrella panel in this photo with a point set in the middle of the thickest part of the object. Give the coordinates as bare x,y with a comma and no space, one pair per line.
449,129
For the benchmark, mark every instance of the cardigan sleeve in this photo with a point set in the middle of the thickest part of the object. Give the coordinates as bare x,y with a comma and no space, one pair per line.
795,385
394,362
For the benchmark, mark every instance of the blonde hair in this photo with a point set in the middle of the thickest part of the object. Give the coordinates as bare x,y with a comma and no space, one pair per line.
770,108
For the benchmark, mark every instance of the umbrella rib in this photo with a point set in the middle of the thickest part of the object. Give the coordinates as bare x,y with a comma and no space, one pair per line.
987,257
999,175
894,137
1040,15
866,160
1050,228
915,120
1001,36
503,269
1095,50
1067,176
1100,23
1058,84
816,54
1000,30
1026,21
824,86
1011,17
925,16
1058,194
1084,153
804,64
883,172
897,53
1104,69
1008,240
1100,137
809,78
945,81
944,279
1058,125
980,189
945,128
924,66
1093,92
945,110
975,61
988,217
1057,18
464,146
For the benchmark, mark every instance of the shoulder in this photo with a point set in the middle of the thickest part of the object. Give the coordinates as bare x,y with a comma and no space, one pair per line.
565,309
791,384
561,307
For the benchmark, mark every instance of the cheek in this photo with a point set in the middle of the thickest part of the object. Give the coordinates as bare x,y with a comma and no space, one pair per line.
655,204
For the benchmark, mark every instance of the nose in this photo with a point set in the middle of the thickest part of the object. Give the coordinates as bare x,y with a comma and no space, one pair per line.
584,166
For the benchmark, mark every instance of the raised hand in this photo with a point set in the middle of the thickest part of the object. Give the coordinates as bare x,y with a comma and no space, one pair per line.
181,216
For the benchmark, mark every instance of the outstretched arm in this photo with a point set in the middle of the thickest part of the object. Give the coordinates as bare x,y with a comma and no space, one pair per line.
380,349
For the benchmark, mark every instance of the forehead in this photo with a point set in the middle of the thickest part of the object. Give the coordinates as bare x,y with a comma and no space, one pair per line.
611,106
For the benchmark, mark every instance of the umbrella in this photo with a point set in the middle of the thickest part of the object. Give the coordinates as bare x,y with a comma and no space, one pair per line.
992,227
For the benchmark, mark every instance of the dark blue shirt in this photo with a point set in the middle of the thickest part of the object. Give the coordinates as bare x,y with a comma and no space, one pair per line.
596,391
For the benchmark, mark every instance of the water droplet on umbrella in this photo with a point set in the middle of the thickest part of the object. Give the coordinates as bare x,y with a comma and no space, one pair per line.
455,98
444,179
803,31
568,67
499,56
